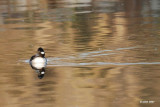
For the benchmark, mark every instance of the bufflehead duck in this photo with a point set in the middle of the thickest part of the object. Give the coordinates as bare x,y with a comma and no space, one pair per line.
38,61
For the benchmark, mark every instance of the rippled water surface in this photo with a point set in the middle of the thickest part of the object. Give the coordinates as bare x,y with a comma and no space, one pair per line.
101,53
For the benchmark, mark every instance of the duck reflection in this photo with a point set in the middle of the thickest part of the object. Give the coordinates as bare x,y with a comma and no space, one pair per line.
40,72
38,62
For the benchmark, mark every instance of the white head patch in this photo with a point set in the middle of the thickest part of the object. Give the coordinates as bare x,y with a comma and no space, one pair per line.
42,52
42,72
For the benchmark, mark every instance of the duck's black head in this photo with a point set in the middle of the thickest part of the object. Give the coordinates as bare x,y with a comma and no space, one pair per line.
41,52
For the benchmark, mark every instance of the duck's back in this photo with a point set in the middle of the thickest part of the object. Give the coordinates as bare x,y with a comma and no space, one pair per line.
39,62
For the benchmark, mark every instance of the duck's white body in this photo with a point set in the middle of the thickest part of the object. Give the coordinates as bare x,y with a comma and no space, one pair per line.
39,62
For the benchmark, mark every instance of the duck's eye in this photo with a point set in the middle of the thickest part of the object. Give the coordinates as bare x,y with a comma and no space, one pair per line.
42,52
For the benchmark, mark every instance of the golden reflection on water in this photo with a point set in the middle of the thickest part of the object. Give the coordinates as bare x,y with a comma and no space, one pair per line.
100,53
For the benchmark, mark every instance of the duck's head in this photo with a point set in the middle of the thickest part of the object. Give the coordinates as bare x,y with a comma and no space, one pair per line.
41,52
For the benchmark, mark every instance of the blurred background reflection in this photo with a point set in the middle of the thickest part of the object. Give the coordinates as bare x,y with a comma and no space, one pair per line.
101,53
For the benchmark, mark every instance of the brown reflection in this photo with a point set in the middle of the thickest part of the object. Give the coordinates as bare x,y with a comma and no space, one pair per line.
75,28
133,7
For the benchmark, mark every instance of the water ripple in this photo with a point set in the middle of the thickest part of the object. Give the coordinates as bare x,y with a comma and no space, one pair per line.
71,60
100,63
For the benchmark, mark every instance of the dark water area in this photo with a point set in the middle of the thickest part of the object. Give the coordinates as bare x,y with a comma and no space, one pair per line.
101,53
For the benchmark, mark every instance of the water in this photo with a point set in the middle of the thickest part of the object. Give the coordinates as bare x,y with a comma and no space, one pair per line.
101,53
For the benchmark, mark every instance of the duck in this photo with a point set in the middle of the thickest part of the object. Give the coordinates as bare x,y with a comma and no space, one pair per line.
38,61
